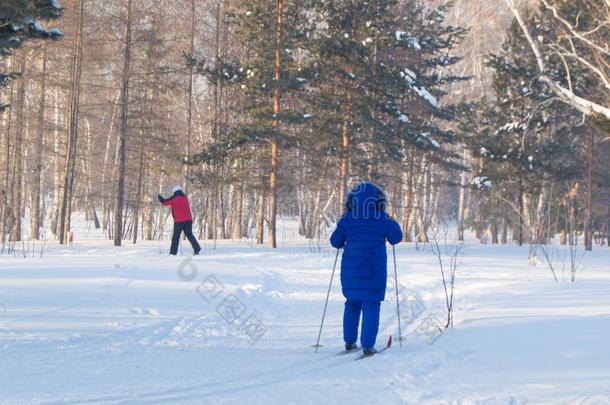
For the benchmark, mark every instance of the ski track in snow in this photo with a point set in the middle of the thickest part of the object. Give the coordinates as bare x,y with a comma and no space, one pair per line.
95,324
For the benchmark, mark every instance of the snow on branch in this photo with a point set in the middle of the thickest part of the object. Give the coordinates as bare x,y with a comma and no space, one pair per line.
425,94
583,105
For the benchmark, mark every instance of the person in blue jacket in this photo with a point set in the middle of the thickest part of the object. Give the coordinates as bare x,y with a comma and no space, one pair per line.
362,232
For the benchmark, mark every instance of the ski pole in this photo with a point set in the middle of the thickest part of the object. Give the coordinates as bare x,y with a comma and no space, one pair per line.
397,297
332,275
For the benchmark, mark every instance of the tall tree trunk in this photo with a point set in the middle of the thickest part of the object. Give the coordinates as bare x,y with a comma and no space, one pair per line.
147,212
345,143
279,31
222,216
541,220
260,217
462,201
212,206
504,232
17,184
138,202
70,165
434,201
57,168
107,149
589,192
86,170
313,222
520,213
239,211
211,217
120,196
493,229
408,196
36,219
419,210
189,113
4,209
608,222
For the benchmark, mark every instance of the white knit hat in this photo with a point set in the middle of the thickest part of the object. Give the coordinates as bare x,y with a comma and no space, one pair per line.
176,188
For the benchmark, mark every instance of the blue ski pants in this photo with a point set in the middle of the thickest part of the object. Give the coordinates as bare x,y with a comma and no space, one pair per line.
370,322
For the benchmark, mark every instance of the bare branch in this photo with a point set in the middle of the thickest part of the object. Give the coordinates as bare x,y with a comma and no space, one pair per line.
583,105
567,68
562,51
575,33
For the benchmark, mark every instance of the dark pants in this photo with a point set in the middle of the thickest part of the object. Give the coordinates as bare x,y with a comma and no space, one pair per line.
187,228
370,322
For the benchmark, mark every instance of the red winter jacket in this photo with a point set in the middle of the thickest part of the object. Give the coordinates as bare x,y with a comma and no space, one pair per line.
181,211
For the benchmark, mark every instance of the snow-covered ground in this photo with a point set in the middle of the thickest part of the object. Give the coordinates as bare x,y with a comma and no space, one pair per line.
92,323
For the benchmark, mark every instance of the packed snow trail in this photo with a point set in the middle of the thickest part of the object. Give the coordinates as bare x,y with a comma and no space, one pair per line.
92,323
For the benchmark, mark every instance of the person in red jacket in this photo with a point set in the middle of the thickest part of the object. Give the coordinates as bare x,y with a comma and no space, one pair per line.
183,220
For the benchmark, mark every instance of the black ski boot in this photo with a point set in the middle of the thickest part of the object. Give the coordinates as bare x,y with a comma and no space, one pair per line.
350,346
369,351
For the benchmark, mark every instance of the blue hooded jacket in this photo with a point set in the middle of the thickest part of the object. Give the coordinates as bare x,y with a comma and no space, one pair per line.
362,232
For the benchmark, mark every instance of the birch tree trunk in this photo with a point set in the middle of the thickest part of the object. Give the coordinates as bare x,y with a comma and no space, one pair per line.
409,177
540,222
422,203
260,217
462,201
239,211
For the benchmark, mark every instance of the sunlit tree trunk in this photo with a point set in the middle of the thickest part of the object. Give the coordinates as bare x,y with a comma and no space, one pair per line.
107,150
17,183
345,144
138,201
462,201
4,209
260,217
276,110
70,165
408,187
36,217
189,114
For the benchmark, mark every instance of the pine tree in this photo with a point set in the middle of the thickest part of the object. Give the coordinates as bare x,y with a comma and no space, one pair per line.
19,21
529,146
266,76
379,81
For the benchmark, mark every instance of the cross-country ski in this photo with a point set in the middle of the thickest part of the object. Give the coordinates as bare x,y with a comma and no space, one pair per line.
375,352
